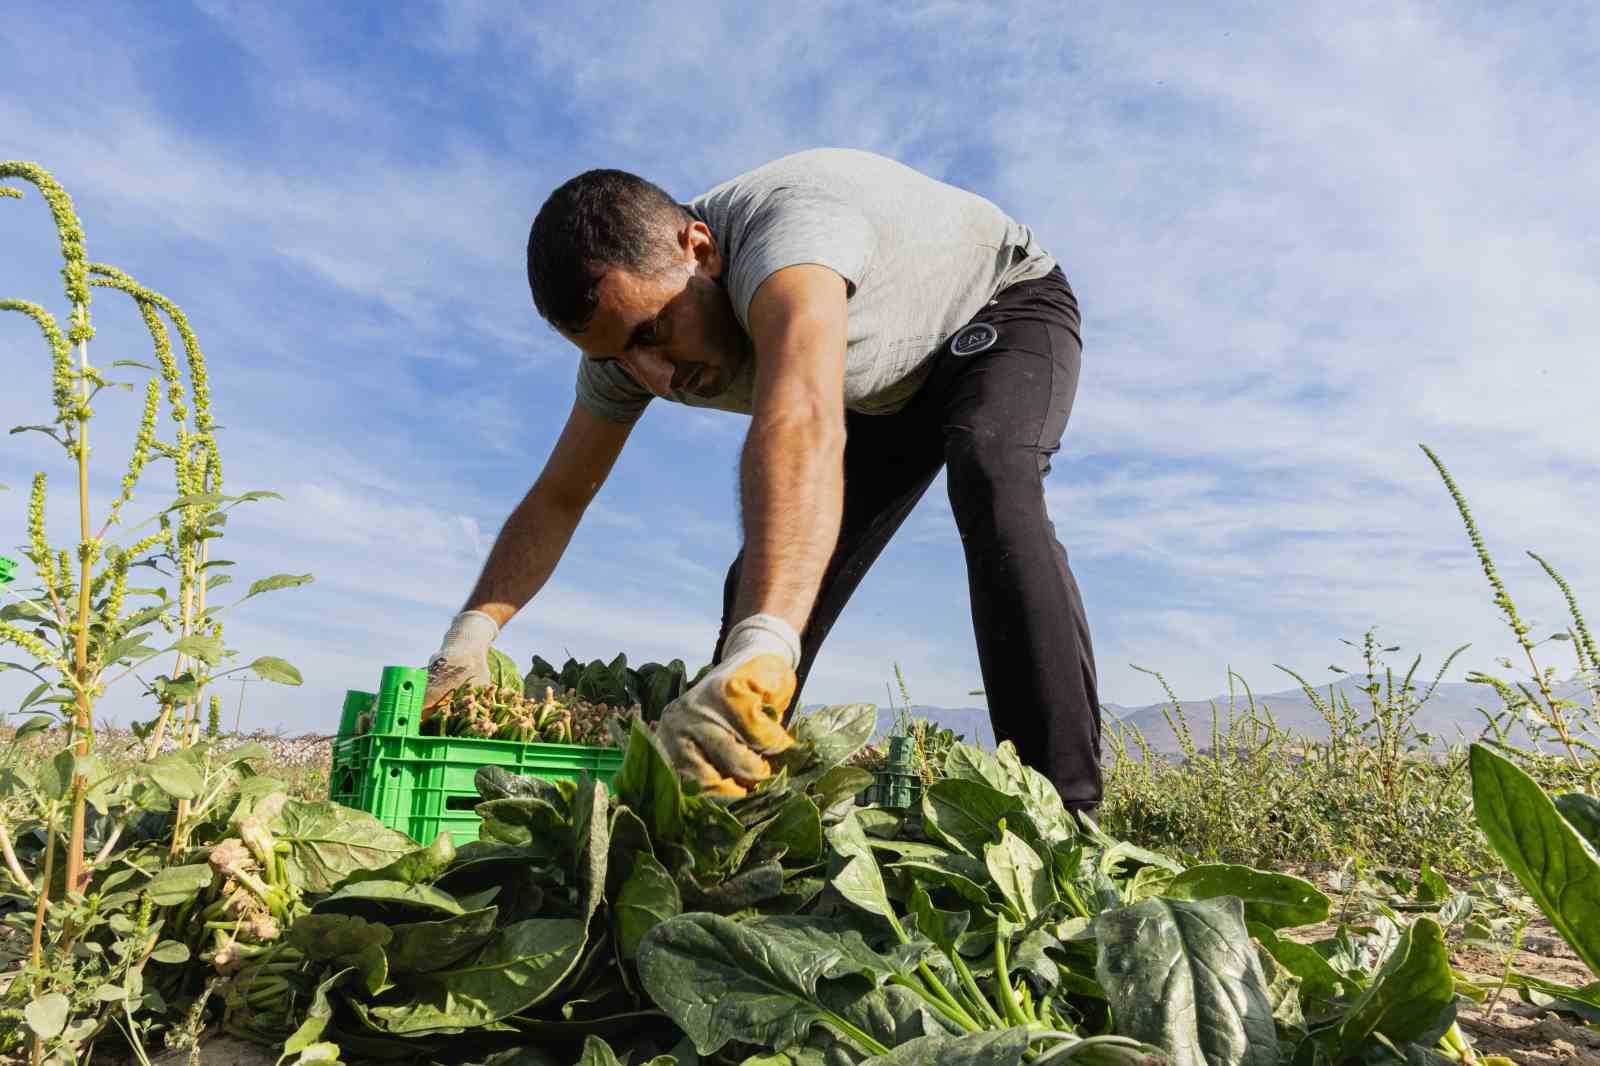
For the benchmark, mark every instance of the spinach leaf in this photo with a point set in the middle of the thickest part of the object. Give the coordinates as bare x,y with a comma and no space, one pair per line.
649,785
966,815
419,947
648,896
1551,859
1183,975
1406,998
517,969
1582,812
721,981
329,841
1021,876
1279,901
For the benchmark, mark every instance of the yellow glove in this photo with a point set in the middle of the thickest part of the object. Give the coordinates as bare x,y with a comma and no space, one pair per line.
720,731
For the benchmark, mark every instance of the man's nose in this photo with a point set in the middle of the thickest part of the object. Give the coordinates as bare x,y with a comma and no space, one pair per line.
653,371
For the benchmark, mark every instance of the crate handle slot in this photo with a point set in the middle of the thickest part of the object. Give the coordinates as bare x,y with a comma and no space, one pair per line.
462,803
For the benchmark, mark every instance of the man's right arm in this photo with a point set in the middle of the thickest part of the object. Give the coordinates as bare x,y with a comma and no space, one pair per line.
536,534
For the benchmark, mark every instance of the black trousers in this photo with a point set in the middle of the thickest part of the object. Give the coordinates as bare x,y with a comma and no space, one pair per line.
992,413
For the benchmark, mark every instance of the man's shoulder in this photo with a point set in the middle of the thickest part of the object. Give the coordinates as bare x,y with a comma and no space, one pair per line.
822,168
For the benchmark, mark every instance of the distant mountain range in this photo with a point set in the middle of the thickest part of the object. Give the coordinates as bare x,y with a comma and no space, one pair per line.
1450,715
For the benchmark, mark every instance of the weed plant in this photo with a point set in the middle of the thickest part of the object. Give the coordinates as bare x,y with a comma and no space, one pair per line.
1375,791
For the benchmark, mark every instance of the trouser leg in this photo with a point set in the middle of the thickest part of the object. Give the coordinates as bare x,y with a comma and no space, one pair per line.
889,461
1004,409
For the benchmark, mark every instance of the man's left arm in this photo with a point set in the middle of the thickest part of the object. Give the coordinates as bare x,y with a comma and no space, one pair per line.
721,731
791,473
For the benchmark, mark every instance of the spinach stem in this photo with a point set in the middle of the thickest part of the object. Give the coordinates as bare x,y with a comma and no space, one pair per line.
980,1000
951,1011
939,991
871,1046
1002,981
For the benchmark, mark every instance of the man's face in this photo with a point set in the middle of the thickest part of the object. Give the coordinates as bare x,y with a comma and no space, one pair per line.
675,330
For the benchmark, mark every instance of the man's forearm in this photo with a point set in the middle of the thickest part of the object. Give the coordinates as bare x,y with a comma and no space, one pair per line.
791,478
524,555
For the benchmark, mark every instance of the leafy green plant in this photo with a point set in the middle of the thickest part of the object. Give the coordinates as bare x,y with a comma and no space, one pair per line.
651,687
86,625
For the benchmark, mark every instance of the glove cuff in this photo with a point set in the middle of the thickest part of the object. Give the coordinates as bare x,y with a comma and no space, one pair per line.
763,634
472,629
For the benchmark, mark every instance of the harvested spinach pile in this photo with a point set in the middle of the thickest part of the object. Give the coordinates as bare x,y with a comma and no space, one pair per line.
602,924
491,713
582,703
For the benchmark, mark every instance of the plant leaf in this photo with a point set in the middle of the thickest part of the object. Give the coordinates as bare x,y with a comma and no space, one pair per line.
207,649
329,841
797,829
271,668
175,774
173,885
998,1047
966,814
1582,812
47,1015
648,897
1554,863
721,981
422,947
514,971
1020,874
1183,975
326,937
503,672
649,785
860,881
420,867
390,902
1409,993
1279,901
277,581
591,832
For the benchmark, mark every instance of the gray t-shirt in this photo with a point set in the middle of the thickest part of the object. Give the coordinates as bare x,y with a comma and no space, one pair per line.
921,258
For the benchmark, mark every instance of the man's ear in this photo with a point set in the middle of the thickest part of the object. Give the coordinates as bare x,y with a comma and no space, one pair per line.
698,239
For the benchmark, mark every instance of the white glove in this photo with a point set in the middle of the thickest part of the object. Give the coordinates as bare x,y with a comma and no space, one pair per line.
462,658
719,731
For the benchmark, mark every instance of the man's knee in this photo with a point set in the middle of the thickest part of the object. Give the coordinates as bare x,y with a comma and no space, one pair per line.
992,479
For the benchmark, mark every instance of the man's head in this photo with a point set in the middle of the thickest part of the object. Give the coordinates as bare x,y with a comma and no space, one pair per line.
625,272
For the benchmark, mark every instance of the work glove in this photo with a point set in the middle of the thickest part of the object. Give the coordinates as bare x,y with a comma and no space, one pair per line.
463,657
721,730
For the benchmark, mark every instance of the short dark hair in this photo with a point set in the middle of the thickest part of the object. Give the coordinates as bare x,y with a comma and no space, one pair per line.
597,220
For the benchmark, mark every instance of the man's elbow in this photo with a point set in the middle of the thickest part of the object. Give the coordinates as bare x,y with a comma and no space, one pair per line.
817,426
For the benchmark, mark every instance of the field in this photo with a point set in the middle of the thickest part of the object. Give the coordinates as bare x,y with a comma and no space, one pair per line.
1261,898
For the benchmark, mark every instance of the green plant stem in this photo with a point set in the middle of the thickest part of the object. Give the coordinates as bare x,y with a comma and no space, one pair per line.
871,1046
83,723
1002,984
12,865
938,988
44,886
970,983
952,1012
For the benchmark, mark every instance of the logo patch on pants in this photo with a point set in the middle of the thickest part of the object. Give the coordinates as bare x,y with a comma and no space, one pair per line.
972,339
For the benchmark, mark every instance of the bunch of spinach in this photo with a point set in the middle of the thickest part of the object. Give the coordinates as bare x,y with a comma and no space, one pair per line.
651,686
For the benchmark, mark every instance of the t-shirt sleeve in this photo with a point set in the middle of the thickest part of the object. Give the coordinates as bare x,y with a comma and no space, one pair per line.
795,225
609,391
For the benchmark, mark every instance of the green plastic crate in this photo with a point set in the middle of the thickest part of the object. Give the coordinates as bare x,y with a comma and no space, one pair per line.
8,570
420,785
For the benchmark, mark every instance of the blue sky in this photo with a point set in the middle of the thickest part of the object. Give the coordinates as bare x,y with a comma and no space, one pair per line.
1304,240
